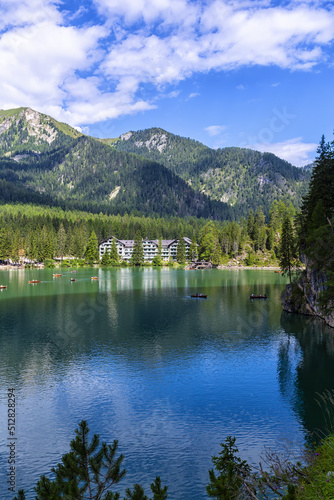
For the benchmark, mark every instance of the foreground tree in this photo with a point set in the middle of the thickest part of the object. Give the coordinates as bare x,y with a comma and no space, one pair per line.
228,484
89,471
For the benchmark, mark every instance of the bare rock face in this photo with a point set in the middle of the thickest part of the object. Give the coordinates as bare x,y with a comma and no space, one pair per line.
36,125
302,297
39,125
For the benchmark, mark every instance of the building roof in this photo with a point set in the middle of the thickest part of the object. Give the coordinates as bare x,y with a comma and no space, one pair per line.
130,243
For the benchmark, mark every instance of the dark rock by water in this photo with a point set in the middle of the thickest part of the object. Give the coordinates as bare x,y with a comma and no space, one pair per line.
303,296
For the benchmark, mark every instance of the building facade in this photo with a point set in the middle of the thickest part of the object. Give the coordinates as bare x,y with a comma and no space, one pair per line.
125,248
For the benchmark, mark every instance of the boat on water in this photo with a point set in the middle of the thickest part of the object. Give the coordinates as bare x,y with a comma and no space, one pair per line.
94,278
73,279
199,296
74,271
56,275
3,287
258,296
34,281
278,272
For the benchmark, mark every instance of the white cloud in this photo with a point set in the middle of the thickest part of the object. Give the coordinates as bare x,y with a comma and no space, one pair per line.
215,129
168,12
39,64
91,73
294,151
23,13
192,95
241,87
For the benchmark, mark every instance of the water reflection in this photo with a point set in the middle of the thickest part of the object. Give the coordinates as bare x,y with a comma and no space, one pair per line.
168,376
314,372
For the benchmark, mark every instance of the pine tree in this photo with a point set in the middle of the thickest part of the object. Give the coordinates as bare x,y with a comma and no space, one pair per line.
160,493
274,219
61,241
5,246
216,256
250,224
193,250
181,251
227,485
137,257
321,185
106,261
138,493
287,248
88,472
259,230
157,260
209,245
92,249
114,257
271,239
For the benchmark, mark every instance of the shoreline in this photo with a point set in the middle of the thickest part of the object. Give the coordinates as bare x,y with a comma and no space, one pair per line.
96,266
255,268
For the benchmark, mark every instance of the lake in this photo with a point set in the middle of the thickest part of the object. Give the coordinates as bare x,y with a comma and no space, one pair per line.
167,375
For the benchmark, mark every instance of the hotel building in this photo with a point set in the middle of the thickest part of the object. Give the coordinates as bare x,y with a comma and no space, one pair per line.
125,248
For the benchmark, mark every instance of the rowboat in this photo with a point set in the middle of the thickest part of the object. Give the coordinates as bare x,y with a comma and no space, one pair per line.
73,279
2,287
34,281
74,271
258,297
199,296
56,275
94,278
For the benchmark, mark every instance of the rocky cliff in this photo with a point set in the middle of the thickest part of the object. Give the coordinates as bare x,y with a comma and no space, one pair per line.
303,296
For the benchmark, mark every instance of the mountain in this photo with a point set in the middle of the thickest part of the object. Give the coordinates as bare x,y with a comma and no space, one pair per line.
146,172
24,130
49,162
241,177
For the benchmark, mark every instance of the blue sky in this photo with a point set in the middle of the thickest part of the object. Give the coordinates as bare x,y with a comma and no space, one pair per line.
255,73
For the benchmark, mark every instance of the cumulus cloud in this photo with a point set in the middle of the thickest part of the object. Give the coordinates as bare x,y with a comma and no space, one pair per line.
168,12
294,151
87,73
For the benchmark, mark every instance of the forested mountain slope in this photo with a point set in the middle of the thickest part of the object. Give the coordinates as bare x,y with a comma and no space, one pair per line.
43,160
243,178
24,130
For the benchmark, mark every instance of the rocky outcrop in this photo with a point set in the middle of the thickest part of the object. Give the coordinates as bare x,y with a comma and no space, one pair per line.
302,297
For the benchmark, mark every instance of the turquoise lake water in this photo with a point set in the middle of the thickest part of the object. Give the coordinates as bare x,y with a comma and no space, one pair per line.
167,375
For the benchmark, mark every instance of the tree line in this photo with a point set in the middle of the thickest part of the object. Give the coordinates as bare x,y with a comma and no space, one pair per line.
40,233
